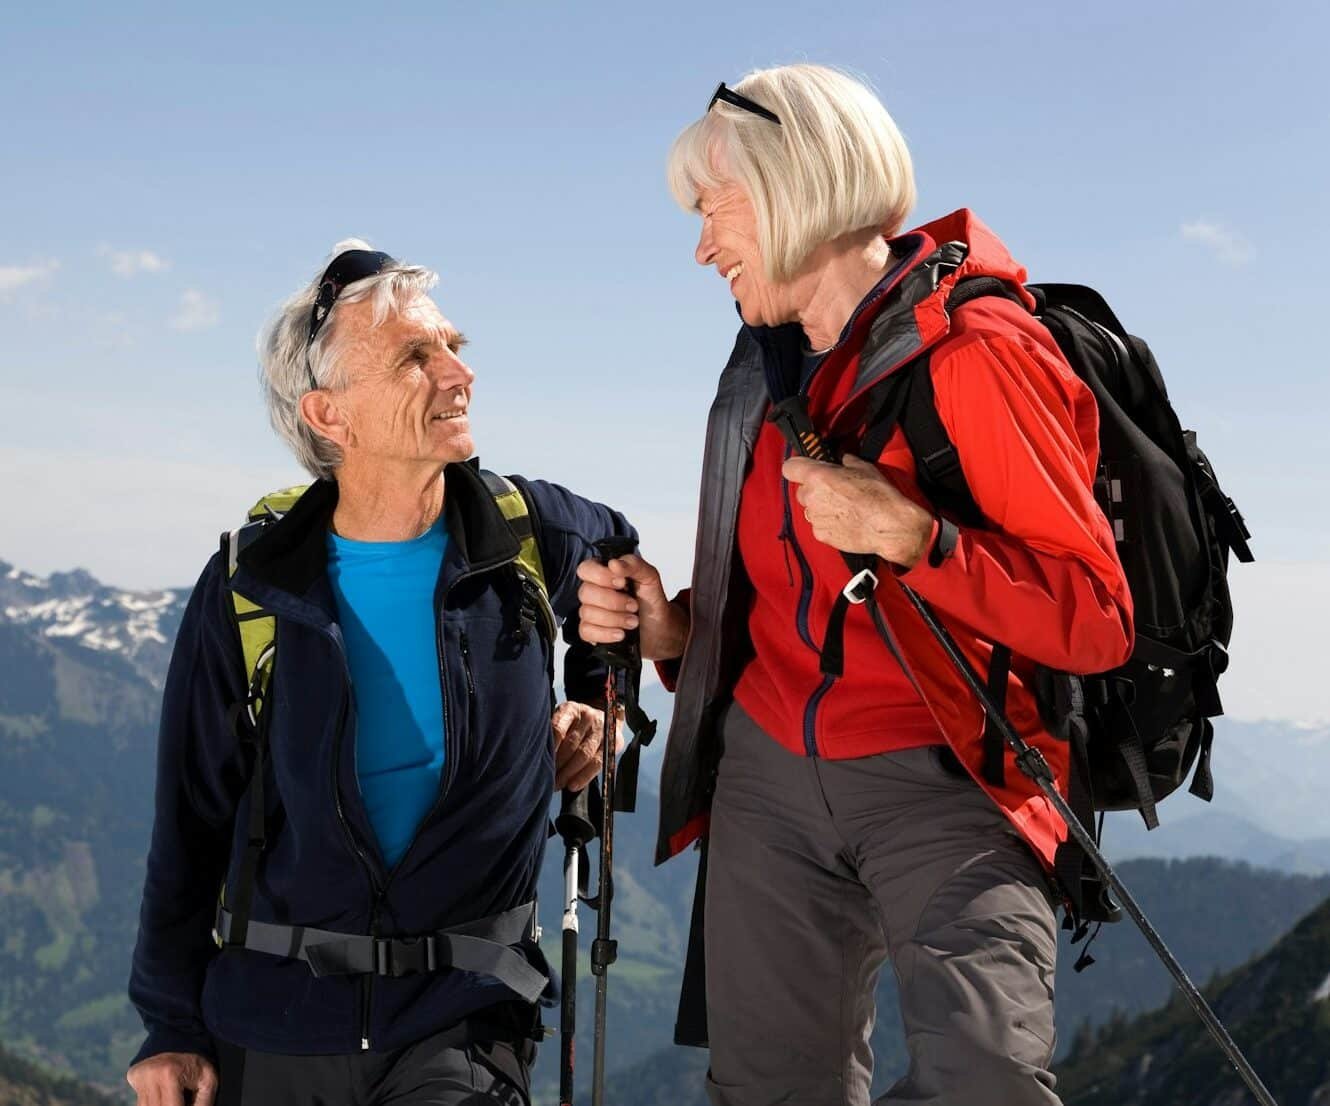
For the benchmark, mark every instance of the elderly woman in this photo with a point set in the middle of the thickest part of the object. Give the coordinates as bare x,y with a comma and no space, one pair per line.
375,815
852,807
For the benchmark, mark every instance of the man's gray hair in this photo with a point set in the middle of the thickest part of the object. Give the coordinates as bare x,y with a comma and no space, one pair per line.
287,372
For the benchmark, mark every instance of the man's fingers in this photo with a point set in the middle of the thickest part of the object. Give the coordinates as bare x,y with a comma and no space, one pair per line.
579,767
593,634
594,595
618,572
583,778
206,1092
561,721
593,572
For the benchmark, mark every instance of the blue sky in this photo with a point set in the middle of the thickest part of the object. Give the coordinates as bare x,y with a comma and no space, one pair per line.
168,177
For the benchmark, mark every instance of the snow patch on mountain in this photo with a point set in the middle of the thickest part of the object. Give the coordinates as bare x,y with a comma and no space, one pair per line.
76,608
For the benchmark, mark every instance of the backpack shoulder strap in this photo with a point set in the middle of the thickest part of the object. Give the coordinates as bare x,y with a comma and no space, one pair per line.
522,519
249,720
257,628
908,400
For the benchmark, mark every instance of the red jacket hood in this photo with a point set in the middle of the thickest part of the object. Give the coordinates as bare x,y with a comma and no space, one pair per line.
930,260
987,256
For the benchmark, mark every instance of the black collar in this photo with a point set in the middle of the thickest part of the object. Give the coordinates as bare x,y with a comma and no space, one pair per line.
292,553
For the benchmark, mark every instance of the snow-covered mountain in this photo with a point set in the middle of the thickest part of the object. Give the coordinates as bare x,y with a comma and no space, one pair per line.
75,608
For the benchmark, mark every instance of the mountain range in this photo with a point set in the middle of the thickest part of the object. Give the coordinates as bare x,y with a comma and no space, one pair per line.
81,669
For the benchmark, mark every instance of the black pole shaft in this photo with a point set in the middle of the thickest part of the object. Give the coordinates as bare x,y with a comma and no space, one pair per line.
1032,763
568,1007
602,953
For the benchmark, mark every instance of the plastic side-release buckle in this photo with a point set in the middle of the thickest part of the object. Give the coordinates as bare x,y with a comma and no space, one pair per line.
861,586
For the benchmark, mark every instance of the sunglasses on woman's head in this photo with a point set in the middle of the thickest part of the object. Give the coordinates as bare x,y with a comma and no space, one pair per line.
740,101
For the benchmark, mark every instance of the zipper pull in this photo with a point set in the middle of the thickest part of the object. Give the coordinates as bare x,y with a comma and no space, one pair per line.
784,538
364,1044
466,665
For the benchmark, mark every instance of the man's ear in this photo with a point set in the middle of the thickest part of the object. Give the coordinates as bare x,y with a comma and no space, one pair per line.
325,417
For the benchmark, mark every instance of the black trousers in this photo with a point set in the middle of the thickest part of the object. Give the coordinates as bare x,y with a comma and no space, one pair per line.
437,1071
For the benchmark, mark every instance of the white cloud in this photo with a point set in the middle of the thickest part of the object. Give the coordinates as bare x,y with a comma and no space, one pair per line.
128,263
1227,245
196,311
14,277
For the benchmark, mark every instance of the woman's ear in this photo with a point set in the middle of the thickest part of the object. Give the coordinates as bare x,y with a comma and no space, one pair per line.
325,417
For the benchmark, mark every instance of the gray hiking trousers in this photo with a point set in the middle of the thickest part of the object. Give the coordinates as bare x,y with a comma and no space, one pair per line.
821,869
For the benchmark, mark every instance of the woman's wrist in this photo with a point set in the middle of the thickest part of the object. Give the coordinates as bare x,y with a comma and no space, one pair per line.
670,634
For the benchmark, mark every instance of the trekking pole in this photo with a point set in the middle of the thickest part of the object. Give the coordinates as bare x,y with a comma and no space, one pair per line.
574,825
797,428
604,951
1031,762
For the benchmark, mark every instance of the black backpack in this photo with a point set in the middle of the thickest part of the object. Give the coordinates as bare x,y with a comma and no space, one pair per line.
1138,730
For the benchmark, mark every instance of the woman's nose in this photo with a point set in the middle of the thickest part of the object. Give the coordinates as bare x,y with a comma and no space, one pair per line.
706,246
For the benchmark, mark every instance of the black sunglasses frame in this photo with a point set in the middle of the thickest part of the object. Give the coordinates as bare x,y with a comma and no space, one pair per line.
346,268
729,96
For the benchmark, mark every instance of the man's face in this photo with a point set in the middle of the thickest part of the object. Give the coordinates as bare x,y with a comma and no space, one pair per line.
729,242
408,389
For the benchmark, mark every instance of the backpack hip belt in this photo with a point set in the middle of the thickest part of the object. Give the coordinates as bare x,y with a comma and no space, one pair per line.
490,946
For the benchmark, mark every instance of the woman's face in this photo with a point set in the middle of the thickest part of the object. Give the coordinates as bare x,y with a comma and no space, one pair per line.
729,242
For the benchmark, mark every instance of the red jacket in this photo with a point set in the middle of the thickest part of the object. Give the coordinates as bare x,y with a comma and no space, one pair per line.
1044,578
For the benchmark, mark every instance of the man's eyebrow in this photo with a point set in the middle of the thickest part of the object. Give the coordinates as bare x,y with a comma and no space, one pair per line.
454,339
411,347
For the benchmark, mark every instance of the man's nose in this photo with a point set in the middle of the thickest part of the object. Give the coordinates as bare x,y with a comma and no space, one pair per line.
454,373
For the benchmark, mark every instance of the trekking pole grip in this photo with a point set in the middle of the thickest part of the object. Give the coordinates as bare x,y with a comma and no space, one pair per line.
574,823
618,654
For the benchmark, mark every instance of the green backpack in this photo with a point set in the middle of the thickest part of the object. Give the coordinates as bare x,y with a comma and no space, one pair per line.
258,627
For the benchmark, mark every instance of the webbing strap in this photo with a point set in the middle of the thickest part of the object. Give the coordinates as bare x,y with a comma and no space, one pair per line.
999,667
486,946
516,512
1132,752
643,730
1203,780
1069,862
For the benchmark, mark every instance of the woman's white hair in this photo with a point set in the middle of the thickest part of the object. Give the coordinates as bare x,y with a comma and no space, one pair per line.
834,165
287,371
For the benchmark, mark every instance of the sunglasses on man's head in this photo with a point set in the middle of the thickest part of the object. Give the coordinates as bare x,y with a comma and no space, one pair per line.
740,101
346,268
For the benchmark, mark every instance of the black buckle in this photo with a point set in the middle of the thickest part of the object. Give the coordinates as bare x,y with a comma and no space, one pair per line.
399,956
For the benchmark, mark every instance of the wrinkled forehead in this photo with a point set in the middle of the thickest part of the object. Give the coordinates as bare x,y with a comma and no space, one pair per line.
419,319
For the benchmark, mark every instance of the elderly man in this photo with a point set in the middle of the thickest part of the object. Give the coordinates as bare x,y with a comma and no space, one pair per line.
375,941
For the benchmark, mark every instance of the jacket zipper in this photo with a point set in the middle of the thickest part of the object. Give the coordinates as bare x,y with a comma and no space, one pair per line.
449,769
810,714
805,572
367,983
801,620
466,665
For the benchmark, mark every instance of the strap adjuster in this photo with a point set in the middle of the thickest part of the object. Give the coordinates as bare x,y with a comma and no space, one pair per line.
861,586
399,956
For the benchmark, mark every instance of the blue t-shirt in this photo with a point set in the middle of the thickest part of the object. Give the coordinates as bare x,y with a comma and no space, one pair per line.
385,603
